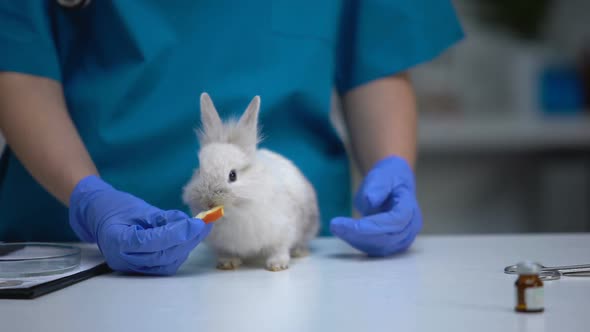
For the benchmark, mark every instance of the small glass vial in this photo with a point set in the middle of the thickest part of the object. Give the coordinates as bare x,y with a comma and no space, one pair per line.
529,288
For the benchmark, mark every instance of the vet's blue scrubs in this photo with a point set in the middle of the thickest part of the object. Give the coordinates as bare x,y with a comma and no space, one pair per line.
132,73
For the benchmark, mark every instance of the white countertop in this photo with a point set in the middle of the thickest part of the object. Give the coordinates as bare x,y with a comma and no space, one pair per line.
445,283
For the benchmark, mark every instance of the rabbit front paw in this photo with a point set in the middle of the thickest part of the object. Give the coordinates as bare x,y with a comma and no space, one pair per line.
278,261
228,263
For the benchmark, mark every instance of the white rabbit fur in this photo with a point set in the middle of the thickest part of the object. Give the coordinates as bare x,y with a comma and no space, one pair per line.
271,210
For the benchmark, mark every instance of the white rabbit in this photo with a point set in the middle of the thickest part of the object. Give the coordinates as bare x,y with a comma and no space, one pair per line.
271,209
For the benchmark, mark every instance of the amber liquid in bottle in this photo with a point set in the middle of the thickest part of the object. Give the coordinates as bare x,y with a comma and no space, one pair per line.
529,283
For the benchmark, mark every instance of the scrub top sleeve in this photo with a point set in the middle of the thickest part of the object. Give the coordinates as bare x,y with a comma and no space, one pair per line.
379,38
26,39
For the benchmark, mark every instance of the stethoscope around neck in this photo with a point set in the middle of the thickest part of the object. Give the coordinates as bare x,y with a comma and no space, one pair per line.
73,4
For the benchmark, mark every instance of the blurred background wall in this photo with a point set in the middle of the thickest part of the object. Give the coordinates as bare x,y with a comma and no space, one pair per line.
504,137
505,128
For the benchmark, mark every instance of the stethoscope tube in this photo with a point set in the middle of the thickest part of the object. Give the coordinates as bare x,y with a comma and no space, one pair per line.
73,4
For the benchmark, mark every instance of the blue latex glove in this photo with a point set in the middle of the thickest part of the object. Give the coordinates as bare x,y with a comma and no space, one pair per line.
132,235
391,217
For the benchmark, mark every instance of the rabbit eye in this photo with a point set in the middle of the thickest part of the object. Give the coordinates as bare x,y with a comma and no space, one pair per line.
232,176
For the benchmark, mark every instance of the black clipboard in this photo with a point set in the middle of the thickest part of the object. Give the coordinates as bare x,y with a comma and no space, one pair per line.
32,292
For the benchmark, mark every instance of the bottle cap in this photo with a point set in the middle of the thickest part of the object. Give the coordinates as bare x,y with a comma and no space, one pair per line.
528,267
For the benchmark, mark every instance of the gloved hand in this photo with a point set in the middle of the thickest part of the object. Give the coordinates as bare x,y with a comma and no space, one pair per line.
391,217
132,235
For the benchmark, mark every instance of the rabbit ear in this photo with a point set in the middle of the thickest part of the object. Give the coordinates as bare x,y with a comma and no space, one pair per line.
209,116
249,120
245,132
212,127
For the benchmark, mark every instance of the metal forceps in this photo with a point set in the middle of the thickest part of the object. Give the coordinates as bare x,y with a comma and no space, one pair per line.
556,272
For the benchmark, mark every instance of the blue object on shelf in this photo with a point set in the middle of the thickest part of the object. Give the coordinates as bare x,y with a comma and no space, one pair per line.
562,90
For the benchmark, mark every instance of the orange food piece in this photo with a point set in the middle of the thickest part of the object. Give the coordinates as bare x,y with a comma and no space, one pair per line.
211,215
